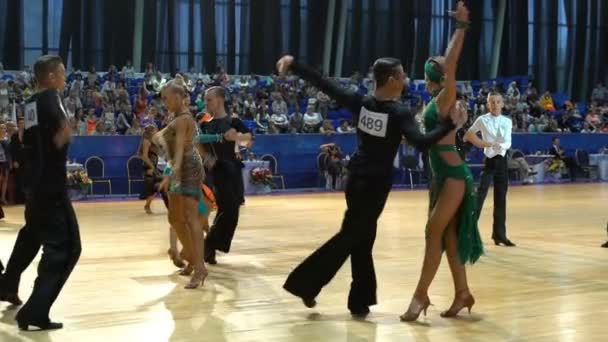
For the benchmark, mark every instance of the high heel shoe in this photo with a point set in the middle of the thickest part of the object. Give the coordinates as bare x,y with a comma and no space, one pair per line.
466,302
416,307
198,278
177,261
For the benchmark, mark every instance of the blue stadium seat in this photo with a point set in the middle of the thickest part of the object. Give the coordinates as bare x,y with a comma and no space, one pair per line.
333,115
559,99
250,124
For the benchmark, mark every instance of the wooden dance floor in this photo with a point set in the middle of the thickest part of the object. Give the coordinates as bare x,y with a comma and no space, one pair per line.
552,287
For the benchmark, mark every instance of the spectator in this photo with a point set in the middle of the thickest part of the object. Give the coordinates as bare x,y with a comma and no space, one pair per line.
513,93
468,90
135,129
4,97
92,78
312,120
296,121
600,94
5,163
91,122
280,121
593,121
262,118
345,127
323,101
124,119
327,128
141,103
72,103
278,105
546,102
108,118
128,72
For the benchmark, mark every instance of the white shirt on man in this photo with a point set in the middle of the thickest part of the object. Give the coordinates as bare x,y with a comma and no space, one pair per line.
494,129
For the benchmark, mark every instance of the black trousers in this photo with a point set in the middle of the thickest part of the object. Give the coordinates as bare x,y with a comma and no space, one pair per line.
51,224
365,199
19,185
241,183
228,196
495,170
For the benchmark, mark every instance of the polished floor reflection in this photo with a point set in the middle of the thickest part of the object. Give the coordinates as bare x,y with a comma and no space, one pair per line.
552,287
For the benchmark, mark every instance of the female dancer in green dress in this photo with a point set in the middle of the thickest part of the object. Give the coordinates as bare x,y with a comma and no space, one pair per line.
452,220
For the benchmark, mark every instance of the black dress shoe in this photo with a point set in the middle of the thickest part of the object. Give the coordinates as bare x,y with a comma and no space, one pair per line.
25,326
361,312
210,257
605,245
5,296
12,298
309,303
211,260
505,242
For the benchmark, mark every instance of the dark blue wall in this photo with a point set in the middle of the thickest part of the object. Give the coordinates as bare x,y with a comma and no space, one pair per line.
296,154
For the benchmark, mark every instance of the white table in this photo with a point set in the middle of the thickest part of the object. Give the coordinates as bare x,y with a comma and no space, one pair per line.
74,167
538,163
601,160
76,194
246,172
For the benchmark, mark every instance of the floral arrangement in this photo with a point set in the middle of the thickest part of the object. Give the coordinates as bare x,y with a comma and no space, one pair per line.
261,176
78,179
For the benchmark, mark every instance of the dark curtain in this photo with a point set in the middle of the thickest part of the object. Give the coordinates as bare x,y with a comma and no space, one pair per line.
602,42
190,34
245,41
400,35
148,52
315,33
592,48
578,19
165,40
468,68
514,48
545,43
408,29
597,45
373,43
352,54
3,15
171,36
90,51
76,33
294,27
45,27
447,21
423,11
231,62
208,36
265,25
83,21
13,35
67,13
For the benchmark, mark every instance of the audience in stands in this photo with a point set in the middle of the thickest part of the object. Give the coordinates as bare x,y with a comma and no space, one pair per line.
120,101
